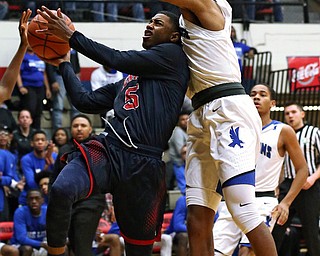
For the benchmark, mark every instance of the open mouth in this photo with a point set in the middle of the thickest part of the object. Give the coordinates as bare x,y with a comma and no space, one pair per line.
147,34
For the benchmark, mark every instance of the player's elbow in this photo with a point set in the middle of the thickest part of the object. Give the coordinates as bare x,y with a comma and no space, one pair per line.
303,172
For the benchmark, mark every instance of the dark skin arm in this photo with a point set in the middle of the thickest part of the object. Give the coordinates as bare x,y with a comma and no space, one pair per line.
9,78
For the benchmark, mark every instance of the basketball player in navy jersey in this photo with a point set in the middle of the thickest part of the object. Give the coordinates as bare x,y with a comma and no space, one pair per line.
223,130
277,139
126,159
9,78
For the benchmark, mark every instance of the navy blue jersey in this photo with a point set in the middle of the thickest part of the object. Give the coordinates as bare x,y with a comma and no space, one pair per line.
147,102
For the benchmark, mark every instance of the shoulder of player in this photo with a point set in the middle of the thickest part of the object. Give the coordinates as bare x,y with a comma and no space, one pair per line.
169,51
165,47
287,134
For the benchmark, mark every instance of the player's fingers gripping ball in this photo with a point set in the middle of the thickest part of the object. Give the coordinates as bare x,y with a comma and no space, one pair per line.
47,46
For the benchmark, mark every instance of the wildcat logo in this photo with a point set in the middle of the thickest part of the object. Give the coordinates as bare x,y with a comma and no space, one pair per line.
234,135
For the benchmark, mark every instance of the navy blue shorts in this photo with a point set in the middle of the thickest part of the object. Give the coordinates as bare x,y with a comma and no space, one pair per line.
136,180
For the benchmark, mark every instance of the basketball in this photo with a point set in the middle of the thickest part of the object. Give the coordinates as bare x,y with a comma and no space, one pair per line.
47,46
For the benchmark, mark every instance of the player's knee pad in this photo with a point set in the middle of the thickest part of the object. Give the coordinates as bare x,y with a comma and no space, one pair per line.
240,200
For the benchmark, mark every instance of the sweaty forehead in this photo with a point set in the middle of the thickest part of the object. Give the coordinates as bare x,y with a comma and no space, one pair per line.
80,121
260,87
161,17
291,108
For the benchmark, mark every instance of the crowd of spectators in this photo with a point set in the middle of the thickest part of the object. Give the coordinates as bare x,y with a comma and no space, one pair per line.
102,11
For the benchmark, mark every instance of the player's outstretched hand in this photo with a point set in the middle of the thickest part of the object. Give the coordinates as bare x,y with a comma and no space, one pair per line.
23,27
55,25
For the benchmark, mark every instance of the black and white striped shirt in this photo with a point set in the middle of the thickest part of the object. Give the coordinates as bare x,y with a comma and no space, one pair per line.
309,141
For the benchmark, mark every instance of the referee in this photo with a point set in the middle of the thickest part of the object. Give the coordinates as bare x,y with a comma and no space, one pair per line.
307,204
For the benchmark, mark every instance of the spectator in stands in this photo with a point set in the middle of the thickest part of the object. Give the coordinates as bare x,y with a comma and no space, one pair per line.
98,11
110,241
7,118
3,9
114,8
156,7
33,86
60,137
178,227
42,158
29,233
81,232
177,141
8,250
8,80
9,178
277,10
30,5
187,105
68,7
102,76
23,134
59,92
8,167
43,180
242,49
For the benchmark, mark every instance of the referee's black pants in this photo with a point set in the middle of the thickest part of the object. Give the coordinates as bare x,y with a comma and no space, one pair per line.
307,206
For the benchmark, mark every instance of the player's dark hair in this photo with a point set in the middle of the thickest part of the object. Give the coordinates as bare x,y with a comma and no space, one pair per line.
38,132
294,103
43,174
272,92
174,19
82,116
184,112
34,190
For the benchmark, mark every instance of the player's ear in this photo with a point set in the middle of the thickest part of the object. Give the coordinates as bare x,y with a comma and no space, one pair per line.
175,37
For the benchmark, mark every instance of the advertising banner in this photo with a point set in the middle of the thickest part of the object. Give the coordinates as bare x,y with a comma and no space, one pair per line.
305,71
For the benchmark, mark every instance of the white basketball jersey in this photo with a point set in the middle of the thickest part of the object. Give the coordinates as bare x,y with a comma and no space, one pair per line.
211,55
269,162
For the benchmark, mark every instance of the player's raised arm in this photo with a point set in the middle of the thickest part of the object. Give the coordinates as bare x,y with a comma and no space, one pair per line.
205,13
9,78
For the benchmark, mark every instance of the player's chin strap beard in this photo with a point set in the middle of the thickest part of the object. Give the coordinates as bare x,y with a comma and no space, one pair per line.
125,128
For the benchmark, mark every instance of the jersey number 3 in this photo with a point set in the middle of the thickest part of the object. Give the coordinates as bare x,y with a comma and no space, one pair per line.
131,98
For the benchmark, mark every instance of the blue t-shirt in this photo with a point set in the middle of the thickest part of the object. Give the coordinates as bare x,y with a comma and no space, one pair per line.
179,217
29,229
8,173
31,165
32,70
241,50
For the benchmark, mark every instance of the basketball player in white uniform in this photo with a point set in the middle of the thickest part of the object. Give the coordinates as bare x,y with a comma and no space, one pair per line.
223,130
277,139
